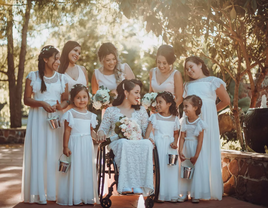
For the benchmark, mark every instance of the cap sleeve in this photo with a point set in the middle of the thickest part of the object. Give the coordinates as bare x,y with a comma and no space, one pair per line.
217,82
200,126
68,116
94,121
64,81
183,124
33,77
177,125
153,121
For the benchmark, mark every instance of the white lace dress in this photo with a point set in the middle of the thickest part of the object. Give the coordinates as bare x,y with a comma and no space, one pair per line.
205,88
164,128
79,184
133,157
198,187
42,145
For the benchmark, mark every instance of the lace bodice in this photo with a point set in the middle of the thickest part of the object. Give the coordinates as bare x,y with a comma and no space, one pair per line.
205,88
192,129
165,125
112,114
55,86
80,122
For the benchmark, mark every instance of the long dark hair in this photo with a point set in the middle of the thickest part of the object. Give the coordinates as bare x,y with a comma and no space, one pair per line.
76,89
169,98
107,49
64,59
196,102
197,61
127,85
168,52
45,53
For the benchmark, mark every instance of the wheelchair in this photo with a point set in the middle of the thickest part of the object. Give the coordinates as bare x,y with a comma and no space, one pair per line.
107,165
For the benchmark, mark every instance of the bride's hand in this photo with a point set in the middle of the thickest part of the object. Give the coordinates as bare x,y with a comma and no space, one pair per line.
101,136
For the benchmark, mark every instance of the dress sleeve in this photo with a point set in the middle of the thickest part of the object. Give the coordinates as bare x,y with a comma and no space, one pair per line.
177,125
200,126
94,121
153,121
183,124
217,82
68,116
106,122
64,81
144,120
33,77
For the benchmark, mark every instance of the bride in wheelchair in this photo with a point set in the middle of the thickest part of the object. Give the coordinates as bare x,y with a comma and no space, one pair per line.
134,158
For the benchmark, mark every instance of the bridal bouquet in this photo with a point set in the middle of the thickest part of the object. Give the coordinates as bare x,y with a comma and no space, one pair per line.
127,128
102,98
148,101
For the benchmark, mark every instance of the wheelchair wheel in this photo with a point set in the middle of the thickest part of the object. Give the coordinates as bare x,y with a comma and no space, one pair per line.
106,203
156,176
149,202
101,170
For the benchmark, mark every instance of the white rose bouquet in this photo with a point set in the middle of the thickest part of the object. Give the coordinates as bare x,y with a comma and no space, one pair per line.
148,101
102,98
127,128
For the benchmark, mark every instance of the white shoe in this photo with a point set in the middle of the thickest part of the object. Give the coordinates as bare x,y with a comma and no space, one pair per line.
137,191
174,200
42,202
183,198
127,191
195,200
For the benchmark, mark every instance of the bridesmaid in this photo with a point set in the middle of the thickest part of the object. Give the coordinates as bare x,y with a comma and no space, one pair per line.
112,72
75,74
164,77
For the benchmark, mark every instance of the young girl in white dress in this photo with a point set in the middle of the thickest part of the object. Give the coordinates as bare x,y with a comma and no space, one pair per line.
166,126
79,185
208,88
46,92
191,151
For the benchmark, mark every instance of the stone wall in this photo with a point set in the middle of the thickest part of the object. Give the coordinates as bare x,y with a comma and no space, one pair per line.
245,176
9,136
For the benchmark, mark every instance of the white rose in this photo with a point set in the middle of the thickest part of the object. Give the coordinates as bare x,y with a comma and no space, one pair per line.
97,105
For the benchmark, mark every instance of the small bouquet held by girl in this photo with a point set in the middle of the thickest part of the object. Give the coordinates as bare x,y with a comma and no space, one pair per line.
149,102
126,128
102,98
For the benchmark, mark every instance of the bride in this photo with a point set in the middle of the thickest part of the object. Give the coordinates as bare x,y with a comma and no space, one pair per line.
133,157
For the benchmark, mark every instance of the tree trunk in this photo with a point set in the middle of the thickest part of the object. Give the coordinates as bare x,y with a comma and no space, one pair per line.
17,121
11,67
236,114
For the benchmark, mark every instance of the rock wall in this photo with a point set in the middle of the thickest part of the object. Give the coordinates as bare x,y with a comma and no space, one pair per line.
9,136
245,176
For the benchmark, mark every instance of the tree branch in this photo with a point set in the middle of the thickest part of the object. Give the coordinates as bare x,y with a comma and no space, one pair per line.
221,66
3,72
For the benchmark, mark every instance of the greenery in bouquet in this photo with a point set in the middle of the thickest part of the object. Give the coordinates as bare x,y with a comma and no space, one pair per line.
148,101
128,129
102,98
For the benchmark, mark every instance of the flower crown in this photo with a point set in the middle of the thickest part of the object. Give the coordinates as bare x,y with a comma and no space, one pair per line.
46,48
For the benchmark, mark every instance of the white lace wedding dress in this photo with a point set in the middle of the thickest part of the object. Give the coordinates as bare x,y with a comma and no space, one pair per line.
133,157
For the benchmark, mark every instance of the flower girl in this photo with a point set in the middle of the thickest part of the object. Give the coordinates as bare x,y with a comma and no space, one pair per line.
191,151
166,127
44,90
79,184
